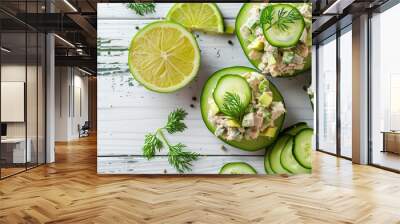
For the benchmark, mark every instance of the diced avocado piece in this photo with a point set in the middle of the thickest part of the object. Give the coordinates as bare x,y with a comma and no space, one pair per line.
288,57
257,44
255,55
307,22
269,132
265,99
309,40
267,116
213,108
263,86
248,120
271,59
233,124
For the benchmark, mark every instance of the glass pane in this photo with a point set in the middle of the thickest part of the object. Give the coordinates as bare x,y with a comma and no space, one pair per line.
385,84
13,89
346,94
32,99
41,99
327,96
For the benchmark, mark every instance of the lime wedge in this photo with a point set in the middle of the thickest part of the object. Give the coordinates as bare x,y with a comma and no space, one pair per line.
197,16
164,56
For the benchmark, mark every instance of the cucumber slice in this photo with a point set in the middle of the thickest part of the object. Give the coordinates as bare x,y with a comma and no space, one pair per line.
241,19
207,93
302,147
235,84
285,34
288,160
267,164
237,168
275,157
295,129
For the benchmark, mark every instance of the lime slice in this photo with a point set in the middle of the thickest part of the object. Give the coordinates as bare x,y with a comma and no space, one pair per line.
197,16
164,56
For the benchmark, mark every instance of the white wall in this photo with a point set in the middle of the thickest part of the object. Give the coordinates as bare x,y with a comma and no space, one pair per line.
70,83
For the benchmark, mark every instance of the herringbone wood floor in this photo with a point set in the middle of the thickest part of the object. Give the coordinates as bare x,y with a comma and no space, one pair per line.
70,191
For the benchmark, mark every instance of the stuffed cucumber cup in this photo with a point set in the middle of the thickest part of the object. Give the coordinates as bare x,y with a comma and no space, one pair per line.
281,51
242,108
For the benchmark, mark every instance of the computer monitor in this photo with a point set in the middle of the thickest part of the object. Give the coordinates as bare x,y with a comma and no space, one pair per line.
3,129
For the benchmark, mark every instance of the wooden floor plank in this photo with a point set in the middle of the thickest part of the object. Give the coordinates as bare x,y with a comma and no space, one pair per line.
70,191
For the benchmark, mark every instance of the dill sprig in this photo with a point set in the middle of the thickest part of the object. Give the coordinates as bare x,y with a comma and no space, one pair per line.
142,8
175,123
178,158
151,144
181,160
233,106
284,17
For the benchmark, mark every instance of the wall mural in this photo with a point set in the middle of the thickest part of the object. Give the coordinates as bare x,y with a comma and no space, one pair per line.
204,88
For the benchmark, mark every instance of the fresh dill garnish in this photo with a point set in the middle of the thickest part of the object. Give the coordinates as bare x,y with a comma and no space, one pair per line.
151,144
181,160
178,158
175,119
142,8
233,106
284,17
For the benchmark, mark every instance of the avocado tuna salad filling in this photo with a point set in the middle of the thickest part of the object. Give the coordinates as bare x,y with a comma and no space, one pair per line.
259,116
274,59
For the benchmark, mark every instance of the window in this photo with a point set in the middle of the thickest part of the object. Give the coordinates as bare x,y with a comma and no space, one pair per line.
327,95
346,92
385,89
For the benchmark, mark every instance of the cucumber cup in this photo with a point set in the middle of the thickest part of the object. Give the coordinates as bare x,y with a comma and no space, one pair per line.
208,92
291,38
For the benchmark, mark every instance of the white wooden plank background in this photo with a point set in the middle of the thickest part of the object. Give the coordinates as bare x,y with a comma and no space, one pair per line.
127,111
159,165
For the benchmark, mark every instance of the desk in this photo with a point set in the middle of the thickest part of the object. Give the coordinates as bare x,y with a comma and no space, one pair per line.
391,141
18,149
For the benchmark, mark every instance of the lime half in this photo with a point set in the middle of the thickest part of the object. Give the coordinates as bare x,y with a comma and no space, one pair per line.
197,16
164,56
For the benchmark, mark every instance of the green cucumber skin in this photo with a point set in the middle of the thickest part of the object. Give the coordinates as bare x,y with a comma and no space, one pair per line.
246,145
288,160
295,129
298,150
241,167
275,44
275,155
240,20
267,164
220,100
